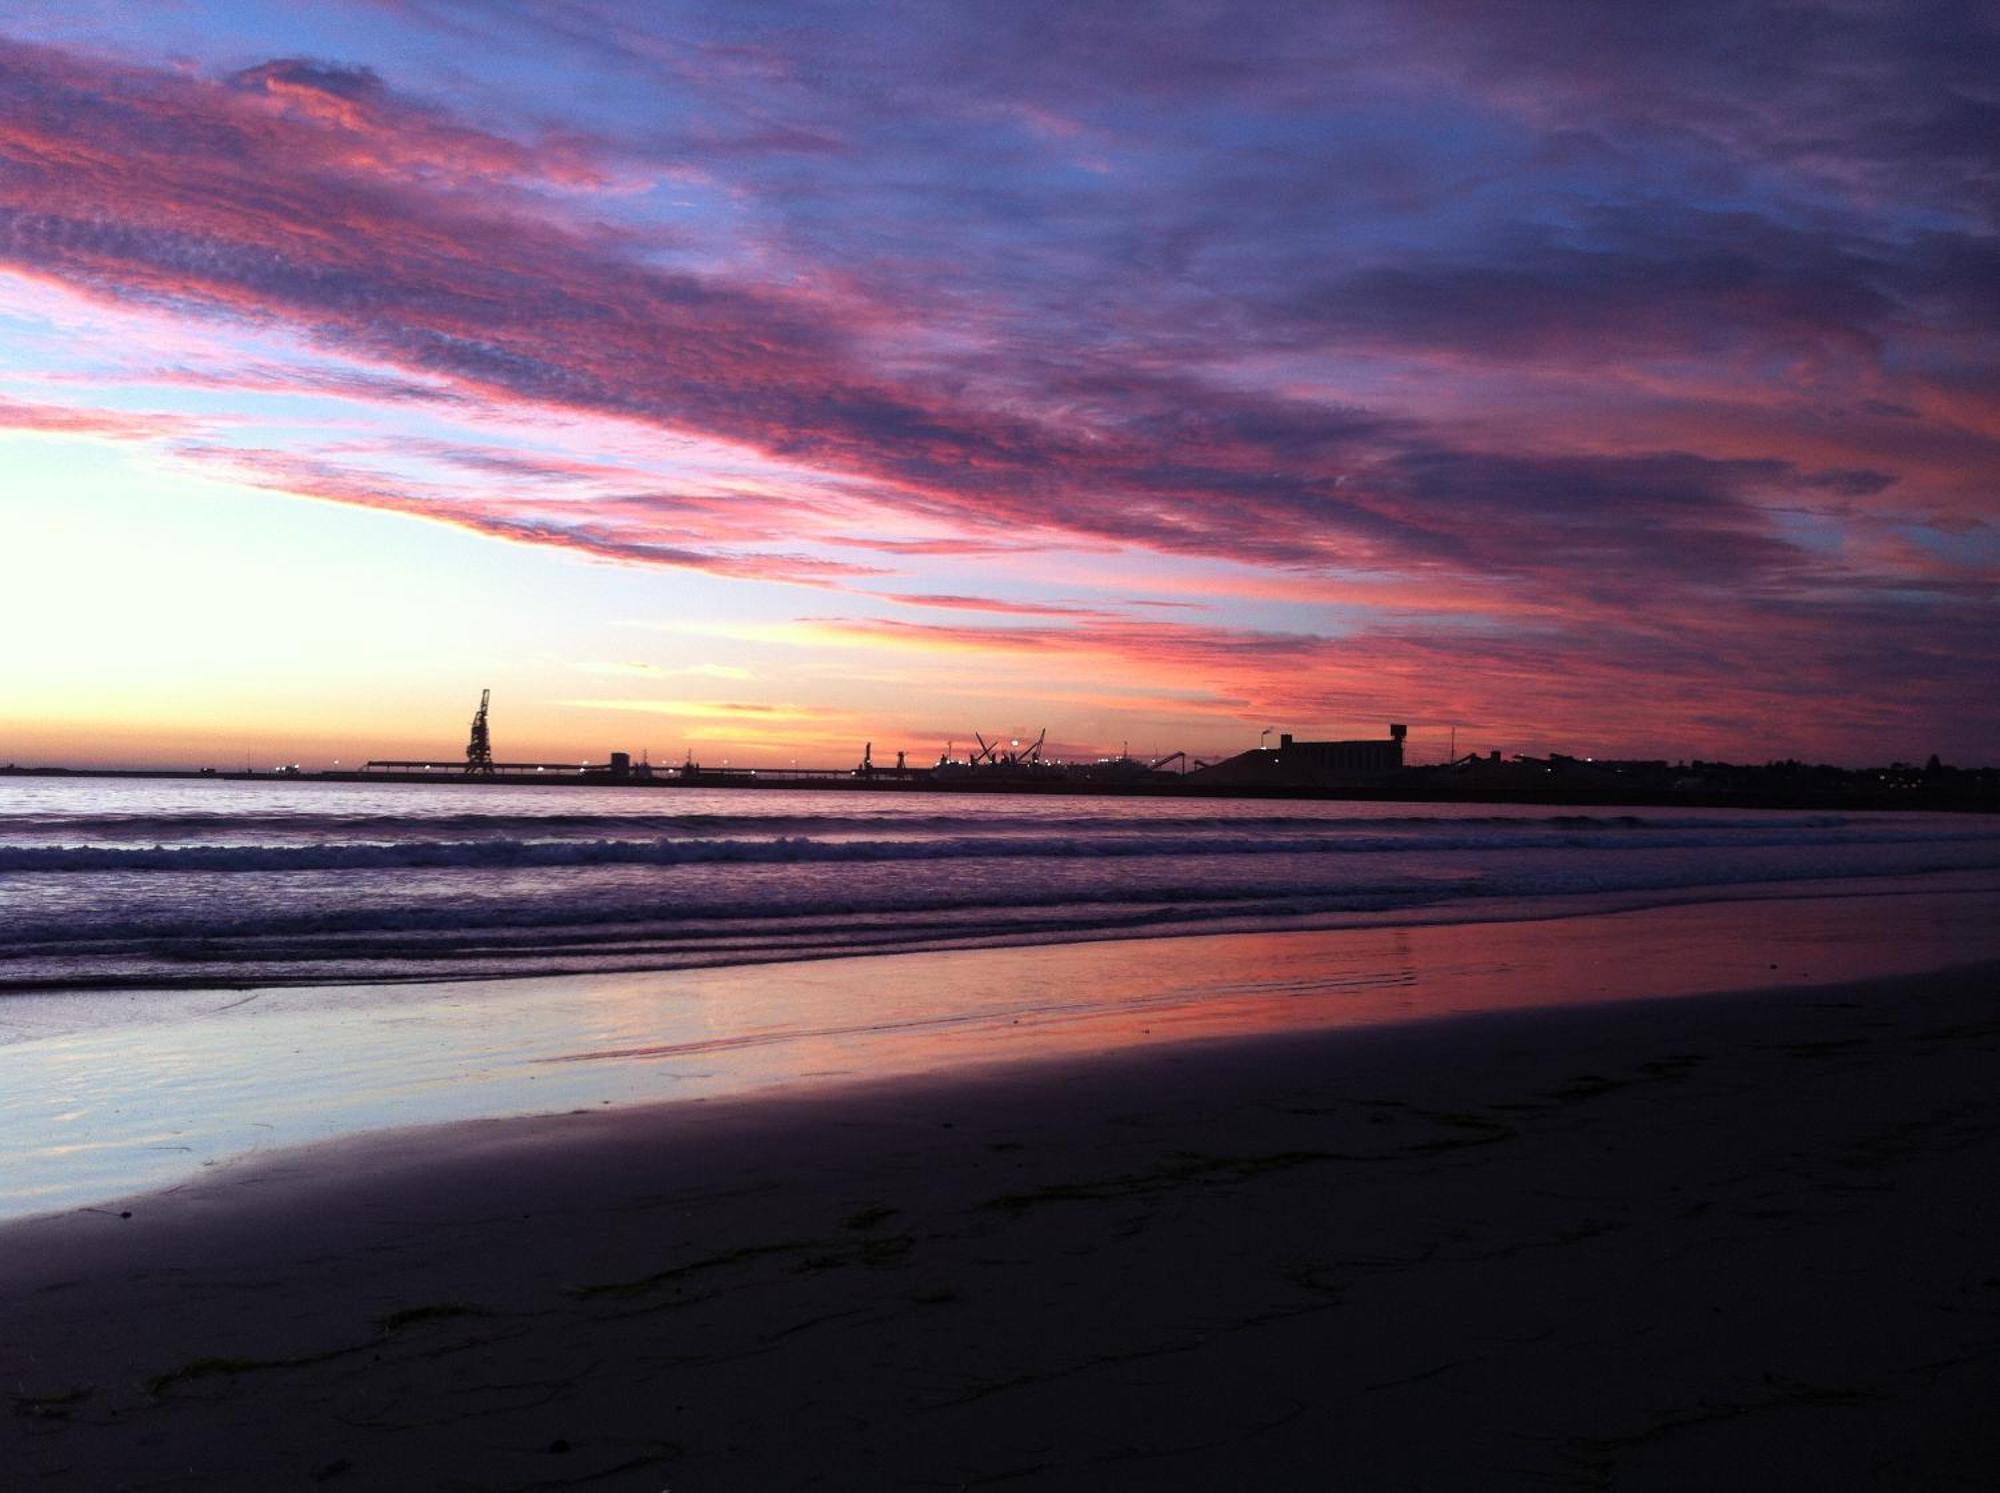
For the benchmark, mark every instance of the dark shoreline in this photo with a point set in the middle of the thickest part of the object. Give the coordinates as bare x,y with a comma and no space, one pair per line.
1978,797
1707,1241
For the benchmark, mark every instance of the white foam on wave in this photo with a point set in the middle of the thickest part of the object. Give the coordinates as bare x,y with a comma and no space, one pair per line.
370,887
667,850
142,830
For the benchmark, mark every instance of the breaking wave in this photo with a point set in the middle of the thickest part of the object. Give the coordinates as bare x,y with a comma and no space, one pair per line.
164,884
240,828
509,853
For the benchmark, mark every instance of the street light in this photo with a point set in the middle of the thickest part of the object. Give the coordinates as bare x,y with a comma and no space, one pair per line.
1265,737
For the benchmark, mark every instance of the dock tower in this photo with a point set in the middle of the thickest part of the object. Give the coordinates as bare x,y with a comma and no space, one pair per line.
479,750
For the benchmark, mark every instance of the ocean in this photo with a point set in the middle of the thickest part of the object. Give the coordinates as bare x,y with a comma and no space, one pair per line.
194,970
156,883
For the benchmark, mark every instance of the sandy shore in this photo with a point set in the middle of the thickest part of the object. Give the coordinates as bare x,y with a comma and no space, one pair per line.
1740,1241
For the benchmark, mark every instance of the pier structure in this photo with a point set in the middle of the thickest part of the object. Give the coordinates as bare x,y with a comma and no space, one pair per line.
619,767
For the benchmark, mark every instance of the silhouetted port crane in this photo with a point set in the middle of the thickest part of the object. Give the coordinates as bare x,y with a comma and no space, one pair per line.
990,752
479,750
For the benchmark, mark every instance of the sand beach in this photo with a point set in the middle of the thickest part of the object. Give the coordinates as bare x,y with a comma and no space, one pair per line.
1721,1236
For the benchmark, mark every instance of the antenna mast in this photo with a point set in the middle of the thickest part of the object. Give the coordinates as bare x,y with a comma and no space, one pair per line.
479,750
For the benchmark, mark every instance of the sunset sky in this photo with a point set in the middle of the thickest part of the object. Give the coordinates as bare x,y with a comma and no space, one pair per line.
758,380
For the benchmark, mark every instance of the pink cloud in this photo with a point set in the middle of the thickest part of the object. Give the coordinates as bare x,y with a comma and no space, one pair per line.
995,605
54,419
525,523
1617,549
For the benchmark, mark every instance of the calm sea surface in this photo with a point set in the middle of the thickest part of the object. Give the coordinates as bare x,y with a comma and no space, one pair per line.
107,882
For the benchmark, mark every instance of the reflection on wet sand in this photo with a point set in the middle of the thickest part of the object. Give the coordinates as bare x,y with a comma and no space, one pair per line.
139,1101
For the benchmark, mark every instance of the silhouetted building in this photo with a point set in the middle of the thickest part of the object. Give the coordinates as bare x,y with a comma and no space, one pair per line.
1310,764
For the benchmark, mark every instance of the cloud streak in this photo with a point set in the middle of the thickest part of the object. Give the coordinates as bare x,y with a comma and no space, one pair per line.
1650,405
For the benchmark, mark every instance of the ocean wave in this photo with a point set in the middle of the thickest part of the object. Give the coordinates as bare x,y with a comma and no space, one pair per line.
498,938
598,926
142,830
512,853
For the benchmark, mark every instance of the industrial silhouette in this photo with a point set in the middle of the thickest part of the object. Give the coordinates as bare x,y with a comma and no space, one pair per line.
479,750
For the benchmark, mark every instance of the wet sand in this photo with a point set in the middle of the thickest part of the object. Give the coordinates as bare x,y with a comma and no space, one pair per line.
1745,1240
